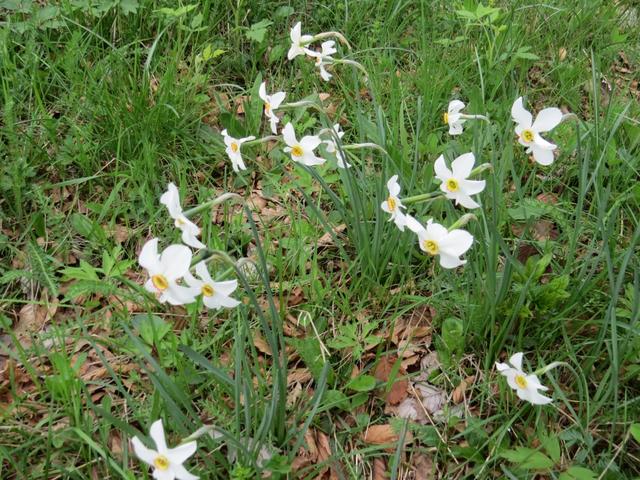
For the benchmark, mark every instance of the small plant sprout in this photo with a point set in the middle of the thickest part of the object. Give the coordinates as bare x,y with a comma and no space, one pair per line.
435,239
165,270
301,151
526,386
455,118
298,42
332,146
167,462
455,182
393,204
214,294
233,150
324,58
271,103
190,231
529,131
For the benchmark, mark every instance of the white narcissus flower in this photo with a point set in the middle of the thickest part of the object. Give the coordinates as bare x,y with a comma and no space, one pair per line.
454,118
455,182
301,151
435,239
271,103
324,57
526,386
165,270
167,462
298,42
393,204
171,199
529,131
332,147
233,150
214,294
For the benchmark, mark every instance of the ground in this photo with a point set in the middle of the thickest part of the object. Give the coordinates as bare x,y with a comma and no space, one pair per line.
353,353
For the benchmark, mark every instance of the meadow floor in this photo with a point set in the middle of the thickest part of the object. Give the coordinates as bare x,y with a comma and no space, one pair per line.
356,351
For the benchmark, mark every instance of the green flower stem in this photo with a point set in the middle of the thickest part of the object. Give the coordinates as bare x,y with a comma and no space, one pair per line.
350,62
356,146
462,221
421,198
258,141
210,430
338,35
301,103
212,203
481,168
546,368
474,117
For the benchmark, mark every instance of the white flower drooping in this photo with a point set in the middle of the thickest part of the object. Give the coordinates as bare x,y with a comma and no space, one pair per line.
455,182
393,204
526,386
233,150
301,151
298,41
323,57
435,239
171,199
214,294
271,103
332,146
453,117
167,462
529,131
165,270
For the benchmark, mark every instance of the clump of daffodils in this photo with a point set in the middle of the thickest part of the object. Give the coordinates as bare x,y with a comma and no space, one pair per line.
527,386
167,463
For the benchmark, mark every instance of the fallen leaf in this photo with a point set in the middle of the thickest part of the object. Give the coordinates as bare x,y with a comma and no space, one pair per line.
383,371
261,344
432,398
379,469
458,393
33,316
422,467
383,435
328,238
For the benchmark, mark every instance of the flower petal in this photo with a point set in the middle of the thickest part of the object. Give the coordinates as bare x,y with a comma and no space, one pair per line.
414,225
171,200
181,473
180,454
542,155
436,232
471,187
276,99
226,287
310,142
463,165
442,172
547,119
450,261
262,92
289,135
466,201
178,295
393,186
143,453
296,32
516,360
203,272
455,128
520,115
190,238
457,242
149,257
455,106
175,261
538,399
157,435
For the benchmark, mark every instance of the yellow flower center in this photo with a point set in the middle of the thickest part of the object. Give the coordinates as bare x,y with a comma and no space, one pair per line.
297,151
431,247
521,381
267,107
207,290
160,282
180,222
445,117
234,147
527,136
452,185
392,203
161,462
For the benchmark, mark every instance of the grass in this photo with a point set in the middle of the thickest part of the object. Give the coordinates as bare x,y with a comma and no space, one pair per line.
104,103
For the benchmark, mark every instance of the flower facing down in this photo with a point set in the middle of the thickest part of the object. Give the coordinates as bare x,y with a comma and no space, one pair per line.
298,42
393,204
233,150
171,199
301,151
454,118
214,294
526,386
435,239
167,462
332,146
271,103
529,131
455,182
324,58
165,270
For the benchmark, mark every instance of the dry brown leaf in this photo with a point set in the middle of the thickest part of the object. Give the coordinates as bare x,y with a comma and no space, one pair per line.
398,391
379,469
383,435
327,239
422,467
261,344
432,398
32,317
458,393
300,375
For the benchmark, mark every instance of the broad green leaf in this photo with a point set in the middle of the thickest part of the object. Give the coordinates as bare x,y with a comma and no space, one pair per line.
551,445
258,30
362,383
634,430
528,458
578,473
